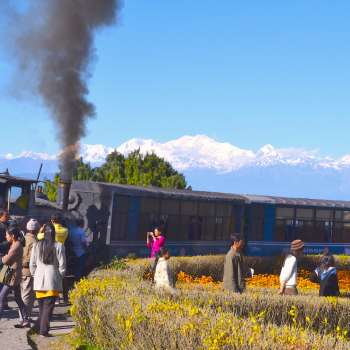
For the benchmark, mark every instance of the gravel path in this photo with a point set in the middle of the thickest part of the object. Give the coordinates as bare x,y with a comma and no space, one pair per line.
16,339
10,337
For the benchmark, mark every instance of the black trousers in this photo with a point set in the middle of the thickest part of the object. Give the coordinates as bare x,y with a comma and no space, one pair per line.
46,306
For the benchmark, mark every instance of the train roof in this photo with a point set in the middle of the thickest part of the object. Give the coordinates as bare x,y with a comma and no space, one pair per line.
89,186
297,201
154,191
6,178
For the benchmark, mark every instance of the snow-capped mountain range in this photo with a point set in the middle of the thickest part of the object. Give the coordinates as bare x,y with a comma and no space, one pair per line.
212,165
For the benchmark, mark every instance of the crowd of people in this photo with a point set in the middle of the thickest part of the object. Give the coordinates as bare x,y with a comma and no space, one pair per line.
236,270
33,266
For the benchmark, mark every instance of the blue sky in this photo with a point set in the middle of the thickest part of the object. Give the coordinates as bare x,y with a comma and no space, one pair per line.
249,73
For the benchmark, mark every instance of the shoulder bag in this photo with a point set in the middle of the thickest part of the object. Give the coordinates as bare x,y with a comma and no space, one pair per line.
6,274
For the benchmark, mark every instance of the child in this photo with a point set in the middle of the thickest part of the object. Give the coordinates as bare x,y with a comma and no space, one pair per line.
163,278
326,276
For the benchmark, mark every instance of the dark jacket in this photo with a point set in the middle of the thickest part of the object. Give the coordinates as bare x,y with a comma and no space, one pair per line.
234,272
14,259
4,245
327,280
3,228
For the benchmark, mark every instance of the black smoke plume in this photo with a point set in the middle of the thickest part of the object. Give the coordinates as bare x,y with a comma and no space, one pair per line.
54,42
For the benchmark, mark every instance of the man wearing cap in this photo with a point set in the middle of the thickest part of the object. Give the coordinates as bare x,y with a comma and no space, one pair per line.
27,291
234,268
288,276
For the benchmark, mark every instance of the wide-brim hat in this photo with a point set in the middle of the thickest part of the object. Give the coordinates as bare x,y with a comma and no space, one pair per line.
297,244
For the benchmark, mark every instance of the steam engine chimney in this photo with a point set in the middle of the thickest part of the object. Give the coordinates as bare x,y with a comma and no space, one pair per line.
63,193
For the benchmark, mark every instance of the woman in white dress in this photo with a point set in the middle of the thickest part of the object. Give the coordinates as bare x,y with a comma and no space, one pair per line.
163,276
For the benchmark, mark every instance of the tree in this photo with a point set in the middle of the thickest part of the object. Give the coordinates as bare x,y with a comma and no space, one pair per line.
50,188
135,169
82,171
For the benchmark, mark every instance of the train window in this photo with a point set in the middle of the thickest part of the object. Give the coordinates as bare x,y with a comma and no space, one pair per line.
284,213
120,218
170,206
219,229
219,220
120,227
324,214
305,230
150,205
209,226
19,199
173,227
206,208
323,230
194,226
189,208
224,209
342,215
339,215
256,224
305,213
122,204
147,222
341,233
284,230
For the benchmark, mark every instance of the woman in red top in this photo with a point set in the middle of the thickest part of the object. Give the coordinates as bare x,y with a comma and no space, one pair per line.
155,241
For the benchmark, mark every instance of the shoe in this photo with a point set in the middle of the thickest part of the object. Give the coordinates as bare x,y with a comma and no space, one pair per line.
47,335
22,325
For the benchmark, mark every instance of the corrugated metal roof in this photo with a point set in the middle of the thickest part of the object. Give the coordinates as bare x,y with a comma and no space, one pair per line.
5,178
297,201
87,186
154,191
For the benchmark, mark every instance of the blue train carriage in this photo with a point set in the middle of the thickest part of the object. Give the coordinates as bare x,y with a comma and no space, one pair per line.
194,222
270,223
201,222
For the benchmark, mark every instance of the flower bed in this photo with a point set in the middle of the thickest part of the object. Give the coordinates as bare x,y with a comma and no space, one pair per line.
270,281
213,266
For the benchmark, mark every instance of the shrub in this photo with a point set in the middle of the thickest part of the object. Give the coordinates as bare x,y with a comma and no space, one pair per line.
115,311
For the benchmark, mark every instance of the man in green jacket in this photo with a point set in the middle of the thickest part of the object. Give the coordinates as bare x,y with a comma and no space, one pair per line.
234,268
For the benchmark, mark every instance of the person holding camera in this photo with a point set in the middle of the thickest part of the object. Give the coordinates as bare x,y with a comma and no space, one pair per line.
155,241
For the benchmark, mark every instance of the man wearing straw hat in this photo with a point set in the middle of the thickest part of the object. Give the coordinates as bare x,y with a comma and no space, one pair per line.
289,273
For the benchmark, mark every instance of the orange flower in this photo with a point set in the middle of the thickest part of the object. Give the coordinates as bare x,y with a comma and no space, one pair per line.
269,281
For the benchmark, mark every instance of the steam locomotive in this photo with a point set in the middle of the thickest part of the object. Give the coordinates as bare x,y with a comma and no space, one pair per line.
117,217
